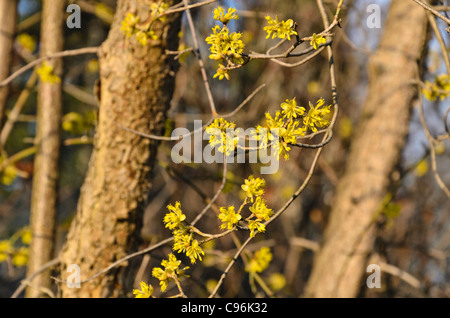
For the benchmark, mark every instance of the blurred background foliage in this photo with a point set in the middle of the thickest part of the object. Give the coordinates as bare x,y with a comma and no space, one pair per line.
413,228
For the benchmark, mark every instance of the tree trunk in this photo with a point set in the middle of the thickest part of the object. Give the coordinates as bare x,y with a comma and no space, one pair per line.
8,12
137,83
48,140
341,262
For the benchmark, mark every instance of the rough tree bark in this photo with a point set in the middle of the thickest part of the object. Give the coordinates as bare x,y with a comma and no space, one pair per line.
137,83
375,151
48,140
8,13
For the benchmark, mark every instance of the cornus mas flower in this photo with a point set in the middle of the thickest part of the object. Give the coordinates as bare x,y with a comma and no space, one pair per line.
145,292
291,110
226,48
223,134
316,116
186,244
229,217
158,9
46,73
260,209
220,15
130,27
260,260
280,29
256,226
171,270
439,88
253,187
317,40
175,216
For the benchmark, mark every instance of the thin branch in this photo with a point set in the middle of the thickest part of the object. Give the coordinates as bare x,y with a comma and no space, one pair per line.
214,198
24,283
163,138
199,58
426,6
405,276
431,142
230,265
86,50
440,40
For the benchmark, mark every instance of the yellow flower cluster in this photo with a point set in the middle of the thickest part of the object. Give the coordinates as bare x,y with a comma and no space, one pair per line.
15,250
183,237
253,188
8,173
439,88
260,260
223,134
226,48
290,123
28,42
145,292
158,9
130,26
229,217
46,73
280,29
171,271
77,124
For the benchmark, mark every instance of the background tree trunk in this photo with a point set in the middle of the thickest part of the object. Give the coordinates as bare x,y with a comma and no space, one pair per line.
48,140
375,151
137,83
8,13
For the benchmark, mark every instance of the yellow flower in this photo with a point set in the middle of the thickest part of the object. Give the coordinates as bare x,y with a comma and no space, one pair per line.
277,281
194,251
317,40
229,217
223,134
253,187
26,236
145,292
27,41
226,48
175,216
222,73
46,73
316,116
6,249
256,226
291,110
260,210
158,9
20,256
171,270
439,88
8,174
280,29
260,260
220,15
129,24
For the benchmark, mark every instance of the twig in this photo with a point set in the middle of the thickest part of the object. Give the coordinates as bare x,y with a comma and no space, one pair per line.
199,58
431,141
405,276
24,283
230,265
14,114
436,13
86,50
214,198
163,138
440,40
